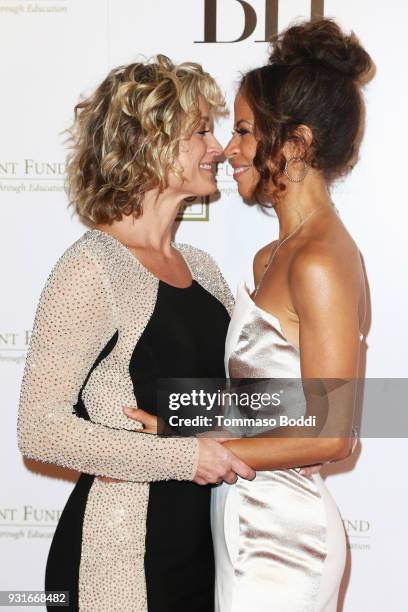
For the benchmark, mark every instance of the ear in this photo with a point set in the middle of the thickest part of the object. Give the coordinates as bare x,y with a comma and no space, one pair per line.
299,144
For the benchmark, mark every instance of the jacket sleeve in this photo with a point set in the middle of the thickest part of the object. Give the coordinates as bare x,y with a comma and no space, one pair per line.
205,269
73,322
223,290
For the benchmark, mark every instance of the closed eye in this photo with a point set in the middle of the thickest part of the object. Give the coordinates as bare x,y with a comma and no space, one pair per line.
240,131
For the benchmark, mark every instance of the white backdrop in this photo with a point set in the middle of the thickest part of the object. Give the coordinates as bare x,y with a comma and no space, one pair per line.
53,50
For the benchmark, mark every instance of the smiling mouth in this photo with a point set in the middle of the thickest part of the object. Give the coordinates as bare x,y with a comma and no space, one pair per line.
208,168
239,171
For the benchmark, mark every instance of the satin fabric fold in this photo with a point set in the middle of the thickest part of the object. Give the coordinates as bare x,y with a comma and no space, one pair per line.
279,540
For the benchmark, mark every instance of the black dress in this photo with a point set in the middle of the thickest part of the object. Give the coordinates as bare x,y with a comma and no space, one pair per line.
184,338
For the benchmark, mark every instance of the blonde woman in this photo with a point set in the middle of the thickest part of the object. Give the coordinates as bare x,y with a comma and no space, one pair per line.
122,307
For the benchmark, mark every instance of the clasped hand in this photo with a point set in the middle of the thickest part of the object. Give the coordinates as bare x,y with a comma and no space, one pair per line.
216,463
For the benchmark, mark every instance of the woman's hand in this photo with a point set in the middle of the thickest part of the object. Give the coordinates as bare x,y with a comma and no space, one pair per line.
149,422
216,463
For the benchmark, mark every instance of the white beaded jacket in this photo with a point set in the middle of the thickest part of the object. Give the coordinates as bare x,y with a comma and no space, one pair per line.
96,289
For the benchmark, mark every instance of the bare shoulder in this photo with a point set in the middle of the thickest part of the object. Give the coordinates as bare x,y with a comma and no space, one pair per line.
328,266
261,260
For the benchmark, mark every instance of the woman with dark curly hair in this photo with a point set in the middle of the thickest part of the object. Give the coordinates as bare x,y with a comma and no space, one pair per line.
123,307
279,539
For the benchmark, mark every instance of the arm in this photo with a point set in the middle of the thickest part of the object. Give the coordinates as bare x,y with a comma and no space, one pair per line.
73,323
325,293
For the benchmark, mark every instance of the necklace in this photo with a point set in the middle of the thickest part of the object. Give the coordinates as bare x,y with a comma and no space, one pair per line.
292,233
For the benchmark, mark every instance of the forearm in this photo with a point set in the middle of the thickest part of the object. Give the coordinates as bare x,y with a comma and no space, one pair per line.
273,453
55,435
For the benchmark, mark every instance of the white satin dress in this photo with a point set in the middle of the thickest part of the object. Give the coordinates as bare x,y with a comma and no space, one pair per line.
279,540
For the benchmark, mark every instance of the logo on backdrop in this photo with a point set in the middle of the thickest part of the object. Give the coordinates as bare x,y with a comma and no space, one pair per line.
195,209
225,181
250,19
358,534
22,7
13,346
28,522
31,175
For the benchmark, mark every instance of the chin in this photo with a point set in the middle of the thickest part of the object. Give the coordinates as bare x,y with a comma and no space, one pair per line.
246,189
245,193
209,189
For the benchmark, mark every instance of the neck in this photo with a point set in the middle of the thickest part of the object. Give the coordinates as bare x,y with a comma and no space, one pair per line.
153,229
299,201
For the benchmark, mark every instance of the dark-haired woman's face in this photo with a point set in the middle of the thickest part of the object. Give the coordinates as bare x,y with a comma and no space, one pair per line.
241,149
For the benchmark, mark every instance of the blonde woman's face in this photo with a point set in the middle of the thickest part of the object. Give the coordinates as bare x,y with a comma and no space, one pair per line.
197,156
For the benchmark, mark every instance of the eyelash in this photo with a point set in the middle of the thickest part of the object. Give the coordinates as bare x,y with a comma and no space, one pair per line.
240,132
203,132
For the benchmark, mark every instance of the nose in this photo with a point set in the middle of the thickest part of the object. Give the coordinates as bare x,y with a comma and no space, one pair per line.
232,147
214,146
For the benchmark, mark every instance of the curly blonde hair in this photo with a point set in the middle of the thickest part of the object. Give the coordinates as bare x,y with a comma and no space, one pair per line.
125,136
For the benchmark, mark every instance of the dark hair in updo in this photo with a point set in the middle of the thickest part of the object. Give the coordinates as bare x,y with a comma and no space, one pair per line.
313,78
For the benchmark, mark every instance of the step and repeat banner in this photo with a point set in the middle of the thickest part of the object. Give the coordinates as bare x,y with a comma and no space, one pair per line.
55,50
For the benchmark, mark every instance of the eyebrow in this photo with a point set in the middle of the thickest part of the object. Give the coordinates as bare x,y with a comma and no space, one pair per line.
244,121
204,118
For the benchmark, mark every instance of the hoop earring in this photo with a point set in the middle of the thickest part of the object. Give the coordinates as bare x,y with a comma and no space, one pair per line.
286,170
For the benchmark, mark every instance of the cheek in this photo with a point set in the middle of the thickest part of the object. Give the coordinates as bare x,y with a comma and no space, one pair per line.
199,151
191,159
183,155
187,164
248,149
